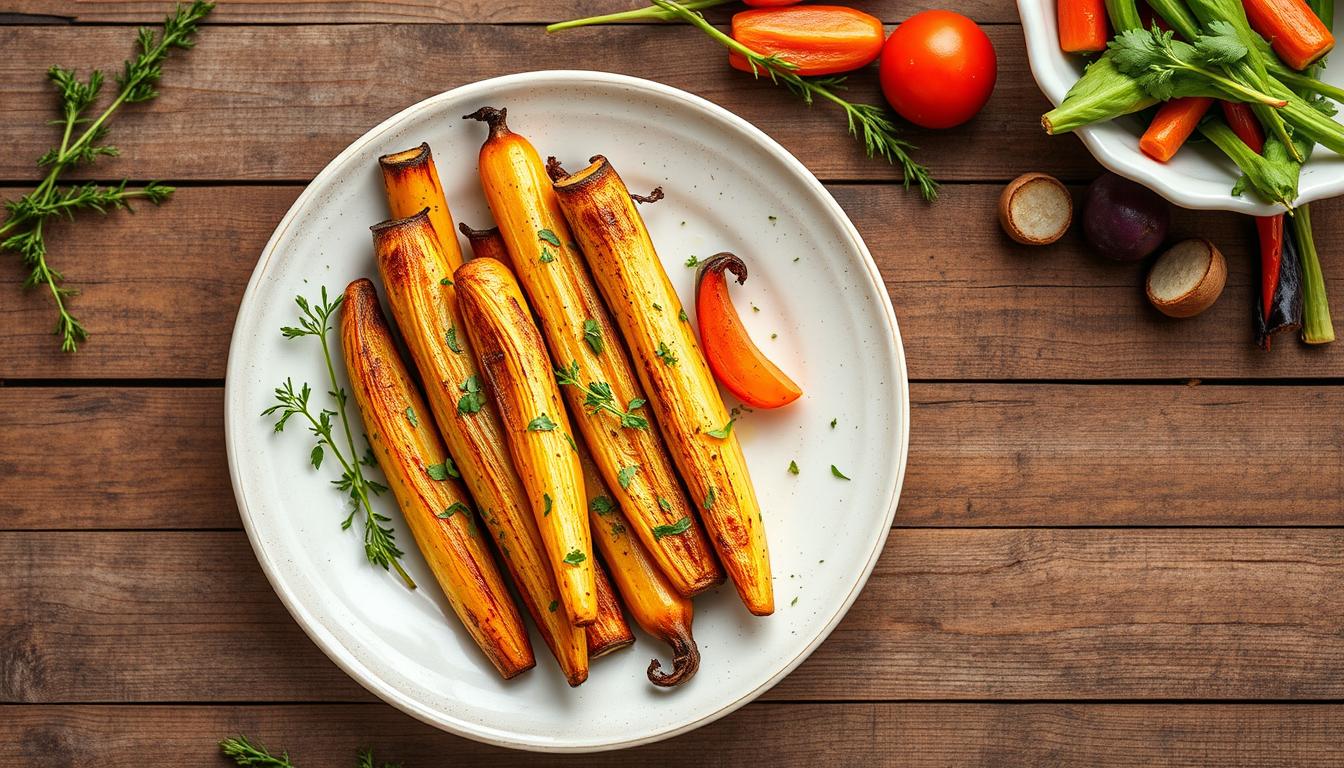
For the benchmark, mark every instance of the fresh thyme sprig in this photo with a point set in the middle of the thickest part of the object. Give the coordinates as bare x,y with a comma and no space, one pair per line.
649,13
24,229
599,397
249,755
867,122
379,540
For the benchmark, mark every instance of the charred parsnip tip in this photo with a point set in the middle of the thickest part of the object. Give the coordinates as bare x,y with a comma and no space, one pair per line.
656,606
423,302
412,185
610,632
486,244
685,399
437,511
519,380
733,356
595,372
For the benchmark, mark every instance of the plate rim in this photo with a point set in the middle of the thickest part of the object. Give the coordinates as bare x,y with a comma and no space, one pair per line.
316,630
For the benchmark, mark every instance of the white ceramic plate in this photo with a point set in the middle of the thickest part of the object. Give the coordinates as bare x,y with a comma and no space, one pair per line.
1199,176
729,187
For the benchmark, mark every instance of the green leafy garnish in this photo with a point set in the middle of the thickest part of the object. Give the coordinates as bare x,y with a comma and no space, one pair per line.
838,473
793,467
473,400
626,475
693,261
681,526
1167,68
545,505
723,432
681,315
445,281
455,508
554,604
452,340
665,504
709,499
548,236
546,256
599,397
82,135
575,557
542,423
379,540
602,505
592,334
411,417
666,354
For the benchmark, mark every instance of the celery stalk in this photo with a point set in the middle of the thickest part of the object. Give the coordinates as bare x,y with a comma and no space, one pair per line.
1102,93
1124,15
1178,16
1316,325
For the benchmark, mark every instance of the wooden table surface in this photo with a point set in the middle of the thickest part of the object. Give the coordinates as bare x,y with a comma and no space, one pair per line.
1119,540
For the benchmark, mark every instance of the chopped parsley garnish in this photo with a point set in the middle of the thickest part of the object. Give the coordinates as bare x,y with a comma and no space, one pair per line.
693,261
793,467
473,400
774,336
709,499
453,509
833,423
598,397
602,505
548,236
681,526
755,308
542,423
573,446
723,432
626,475
452,340
554,604
664,503
443,471
411,417
545,504
681,315
658,306
773,218
665,354
617,529
575,557
592,333
445,281
546,256
838,473
794,602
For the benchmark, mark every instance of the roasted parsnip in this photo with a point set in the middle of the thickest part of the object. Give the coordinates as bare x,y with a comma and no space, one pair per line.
616,243
598,381
610,632
412,185
415,271
407,446
520,381
487,244
653,602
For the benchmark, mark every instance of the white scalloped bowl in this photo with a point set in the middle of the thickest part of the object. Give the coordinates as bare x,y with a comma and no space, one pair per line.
1199,176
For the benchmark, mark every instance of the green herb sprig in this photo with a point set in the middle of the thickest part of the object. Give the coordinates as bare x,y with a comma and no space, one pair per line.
243,752
82,136
599,397
1167,68
379,539
869,123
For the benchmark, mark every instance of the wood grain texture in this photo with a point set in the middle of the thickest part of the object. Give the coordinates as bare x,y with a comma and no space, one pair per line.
422,11
1113,455
794,735
280,102
971,303
949,614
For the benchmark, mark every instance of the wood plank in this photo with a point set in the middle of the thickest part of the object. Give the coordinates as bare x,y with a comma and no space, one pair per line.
972,304
279,102
792,735
949,614
978,457
439,11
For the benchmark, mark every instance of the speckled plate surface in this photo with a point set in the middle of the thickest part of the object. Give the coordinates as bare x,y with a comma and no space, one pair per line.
729,187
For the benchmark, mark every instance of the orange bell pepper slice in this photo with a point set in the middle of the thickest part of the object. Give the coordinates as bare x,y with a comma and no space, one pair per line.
817,39
735,360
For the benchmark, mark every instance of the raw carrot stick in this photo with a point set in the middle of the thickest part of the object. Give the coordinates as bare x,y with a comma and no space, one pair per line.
1172,125
1082,26
1298,36
1242,121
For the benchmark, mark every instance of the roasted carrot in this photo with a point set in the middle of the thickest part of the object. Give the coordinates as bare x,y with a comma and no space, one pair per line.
487,244
610,632
1298,36
1172,125
1082,25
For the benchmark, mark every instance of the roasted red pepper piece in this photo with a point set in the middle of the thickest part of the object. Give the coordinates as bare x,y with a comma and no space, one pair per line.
735,360
1242,121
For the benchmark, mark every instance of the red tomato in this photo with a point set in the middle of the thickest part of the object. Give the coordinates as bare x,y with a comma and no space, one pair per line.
938,69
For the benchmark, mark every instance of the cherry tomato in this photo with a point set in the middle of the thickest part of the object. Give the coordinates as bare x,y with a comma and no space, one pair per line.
938,69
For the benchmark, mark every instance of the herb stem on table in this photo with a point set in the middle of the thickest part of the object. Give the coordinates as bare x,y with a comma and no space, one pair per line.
872,124
648,13
24,229
379,540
